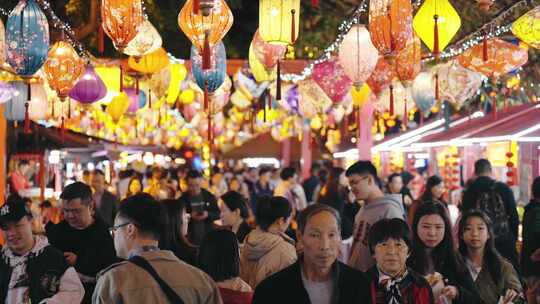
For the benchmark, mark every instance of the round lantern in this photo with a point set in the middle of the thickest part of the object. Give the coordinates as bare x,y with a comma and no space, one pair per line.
212,79
357,55
527,28
90,88
15,108
150,63
6,91
331,77
423,92
121,20
63,68
390,25
279,21
2,43
27,38
205,28
456,83
147,41
259,71
118,106
267,53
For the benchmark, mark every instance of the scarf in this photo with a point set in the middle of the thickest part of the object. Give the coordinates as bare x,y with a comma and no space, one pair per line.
391,284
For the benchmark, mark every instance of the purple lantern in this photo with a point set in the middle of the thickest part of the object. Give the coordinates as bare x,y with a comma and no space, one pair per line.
136,101
90,88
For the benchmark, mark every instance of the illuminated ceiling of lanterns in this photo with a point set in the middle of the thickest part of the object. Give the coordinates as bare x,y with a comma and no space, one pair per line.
154,98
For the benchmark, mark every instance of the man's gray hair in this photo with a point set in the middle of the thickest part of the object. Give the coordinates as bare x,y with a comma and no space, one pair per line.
315,209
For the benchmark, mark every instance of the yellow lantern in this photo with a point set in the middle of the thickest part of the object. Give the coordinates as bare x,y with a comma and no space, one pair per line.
110,76
436,23
118,106
178,74
150,63
279,21
361,95
527,28
258,70
316,123
187,96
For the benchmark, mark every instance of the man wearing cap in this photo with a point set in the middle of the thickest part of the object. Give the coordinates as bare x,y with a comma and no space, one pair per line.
82,237
31,270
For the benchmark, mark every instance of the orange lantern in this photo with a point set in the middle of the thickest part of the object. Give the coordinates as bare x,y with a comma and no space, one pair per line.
121,20
409,60
381,77
205,27
390,25
63,68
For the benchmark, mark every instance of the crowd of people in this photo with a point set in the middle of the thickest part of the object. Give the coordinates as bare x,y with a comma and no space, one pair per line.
262,235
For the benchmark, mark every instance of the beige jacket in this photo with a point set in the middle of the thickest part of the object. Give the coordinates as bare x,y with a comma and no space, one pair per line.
126,282
264,254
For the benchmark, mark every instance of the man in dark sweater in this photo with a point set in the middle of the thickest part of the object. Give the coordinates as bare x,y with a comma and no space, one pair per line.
84,239
201,205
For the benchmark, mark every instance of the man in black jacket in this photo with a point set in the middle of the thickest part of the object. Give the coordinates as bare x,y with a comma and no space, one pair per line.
483,183
84,239
201,205
317,277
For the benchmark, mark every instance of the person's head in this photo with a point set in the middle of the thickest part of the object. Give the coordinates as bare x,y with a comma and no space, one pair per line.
98,181
363,179
395,183
319,232
335,174
273,211
235,184
87,177
219,255
175,223
78,205
233,209
390,244
314,170
156,172
194,181
137,222
482,167
265,174
23,166
16,224
288,174
251,174
134,185
434,189
535,188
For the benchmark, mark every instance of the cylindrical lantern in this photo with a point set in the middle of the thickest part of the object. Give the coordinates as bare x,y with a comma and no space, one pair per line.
63,68
390,25
357,55
147,41
121,20
279,21
27,38
90,88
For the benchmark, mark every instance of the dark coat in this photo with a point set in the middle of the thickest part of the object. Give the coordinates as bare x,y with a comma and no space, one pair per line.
286,286
531,239
107,207
197,230
415,290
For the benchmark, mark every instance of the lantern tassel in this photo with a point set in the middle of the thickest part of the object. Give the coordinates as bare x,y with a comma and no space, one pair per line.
137,85
315,3
436,49
269,100
391,100
206,53
205,96
63,130
264,109
52,110
101,39
278,83
437,86
26,119
121,79
252,122
209,129
494,106
358,113
196,6
69,109
485,48
293,26
150,98
405,115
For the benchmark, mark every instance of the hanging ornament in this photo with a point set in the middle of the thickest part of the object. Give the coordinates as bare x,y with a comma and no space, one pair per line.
401,96
150,63
121,20
118,107
357,55
436,23
382,76
90,88
527,28
211,79
259,71
16,108
63,68
312,100
279,21
331,77
423,92
360,96
136,100
409,61
268,54
145,42
456,83
390,25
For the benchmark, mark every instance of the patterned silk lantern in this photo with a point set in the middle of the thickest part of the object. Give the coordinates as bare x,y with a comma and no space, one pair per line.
259,71
357,55
329,75
2,43
205,28
390,25
268,54
210,80
409,60
381,77
121,20
313,100
502,58
423,92
456,83
147,41
90,88
527,28
150,63
403,100
63,68
436,22
279,21
27,38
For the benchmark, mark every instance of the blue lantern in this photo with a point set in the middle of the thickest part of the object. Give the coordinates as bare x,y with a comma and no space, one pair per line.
213,77
423,92
27,38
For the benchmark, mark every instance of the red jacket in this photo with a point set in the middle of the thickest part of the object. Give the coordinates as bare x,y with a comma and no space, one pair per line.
230,296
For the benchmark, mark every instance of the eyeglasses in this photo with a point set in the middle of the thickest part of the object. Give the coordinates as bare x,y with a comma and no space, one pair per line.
357,181
113,229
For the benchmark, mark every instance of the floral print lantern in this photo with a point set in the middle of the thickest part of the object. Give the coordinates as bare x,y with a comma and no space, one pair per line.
121,20
268,54
90,88
382,76
329,75
390,25
63,68
147,41
527,28
357,55
423,92
456,83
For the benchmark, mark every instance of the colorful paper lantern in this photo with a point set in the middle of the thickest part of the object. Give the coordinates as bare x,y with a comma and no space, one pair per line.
187,96
2,43
502,58
150,63
409,61
205,28
331,77
145,42
456,83
136,100
214,77
27,38
178,74
15,109
382,76
118,106
527,28
313,100
259,71
436,23
423,92
360,96
121,20
279,21
90,88
159,83
357,55
63,68
390,25
267,53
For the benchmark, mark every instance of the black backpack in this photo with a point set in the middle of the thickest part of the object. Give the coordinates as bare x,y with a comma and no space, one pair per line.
492,204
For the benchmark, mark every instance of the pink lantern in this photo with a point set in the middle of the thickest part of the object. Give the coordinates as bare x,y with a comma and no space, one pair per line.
331,77
357,55
312,101
268,54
